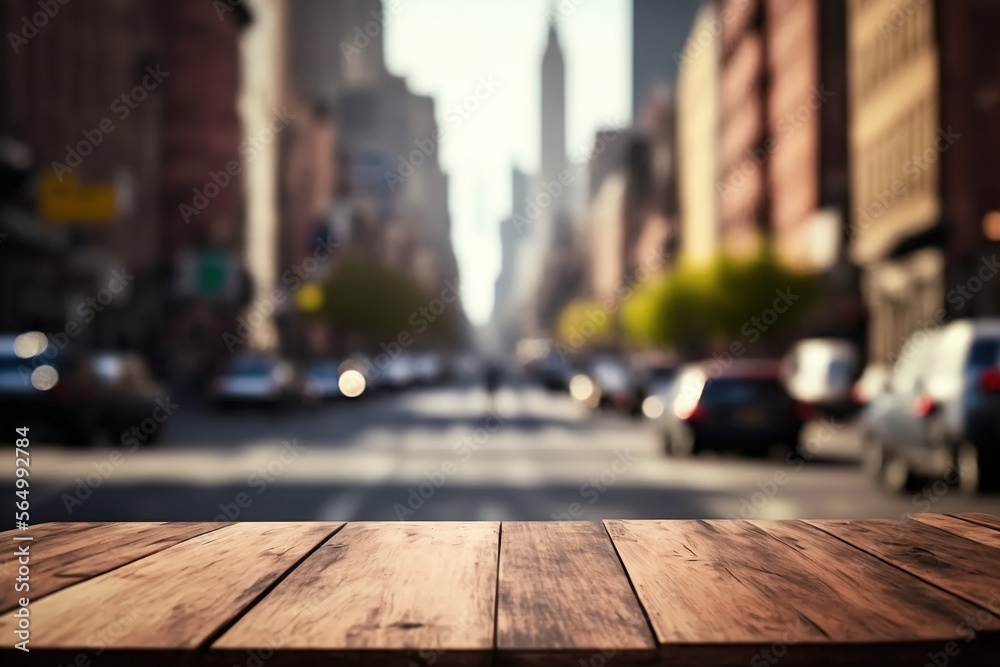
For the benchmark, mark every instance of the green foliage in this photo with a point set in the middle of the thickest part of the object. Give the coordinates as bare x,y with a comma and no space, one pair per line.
690,306
584,323
379,302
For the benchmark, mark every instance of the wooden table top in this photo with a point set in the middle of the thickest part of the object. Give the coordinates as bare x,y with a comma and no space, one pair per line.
577,593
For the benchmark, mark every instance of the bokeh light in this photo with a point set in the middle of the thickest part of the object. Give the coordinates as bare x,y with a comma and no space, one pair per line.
30,344
351,383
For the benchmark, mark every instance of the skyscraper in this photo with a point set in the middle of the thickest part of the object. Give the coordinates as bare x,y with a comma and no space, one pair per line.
553,107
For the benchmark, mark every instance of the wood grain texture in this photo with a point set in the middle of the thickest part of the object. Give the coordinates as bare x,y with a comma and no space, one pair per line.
176,598
965,568
987,520
63,554
722,591
698,580
956,526
717,593
562,587
49,529
392,586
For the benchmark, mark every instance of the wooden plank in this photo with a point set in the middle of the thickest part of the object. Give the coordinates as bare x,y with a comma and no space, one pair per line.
52,528
79,551
987,520
965,568
967,529
562,588
692,578
174,599
723,592
382,587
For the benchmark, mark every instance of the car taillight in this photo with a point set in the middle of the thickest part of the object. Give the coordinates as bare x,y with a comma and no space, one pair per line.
59,391
804,411
990,380
693,413
924,406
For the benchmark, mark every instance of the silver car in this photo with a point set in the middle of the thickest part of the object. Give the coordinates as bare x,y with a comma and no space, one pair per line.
940,415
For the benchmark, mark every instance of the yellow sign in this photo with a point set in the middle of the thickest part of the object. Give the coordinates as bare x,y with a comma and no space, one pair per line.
67,200
309,298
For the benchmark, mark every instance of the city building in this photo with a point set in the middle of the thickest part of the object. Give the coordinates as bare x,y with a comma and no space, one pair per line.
264,116
659,31
202,187
604,237
743,194
652,212
806,161
391,202
553,137
924,169
509,297
550,264
311,227
698,111
84,91
337,43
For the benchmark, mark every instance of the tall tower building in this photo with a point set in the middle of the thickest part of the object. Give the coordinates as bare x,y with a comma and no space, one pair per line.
553,107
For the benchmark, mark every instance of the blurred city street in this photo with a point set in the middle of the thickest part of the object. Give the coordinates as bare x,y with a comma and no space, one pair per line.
527,260
434,454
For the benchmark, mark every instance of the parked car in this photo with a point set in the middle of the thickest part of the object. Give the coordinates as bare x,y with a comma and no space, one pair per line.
612,380
74,398
322,378
428,368
399,373
940,417
127,395
554,373
744,407
259,379
821,372
659,395
874,382
649,381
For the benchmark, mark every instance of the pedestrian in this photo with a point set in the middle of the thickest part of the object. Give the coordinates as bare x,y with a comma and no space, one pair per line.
492,378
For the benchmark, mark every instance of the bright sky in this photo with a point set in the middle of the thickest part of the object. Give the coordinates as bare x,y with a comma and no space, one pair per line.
445,47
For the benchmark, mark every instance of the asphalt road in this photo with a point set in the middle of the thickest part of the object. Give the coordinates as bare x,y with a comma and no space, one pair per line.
443,454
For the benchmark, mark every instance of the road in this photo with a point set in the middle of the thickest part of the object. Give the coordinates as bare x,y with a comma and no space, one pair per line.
438,454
